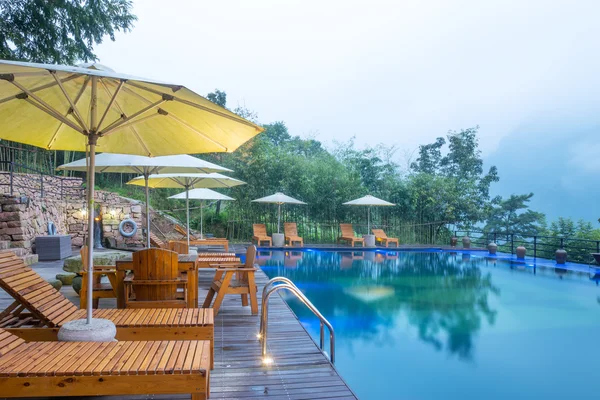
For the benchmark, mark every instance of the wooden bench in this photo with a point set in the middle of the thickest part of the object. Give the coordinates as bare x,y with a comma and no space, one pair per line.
101,290
39,311
210,262
63,369
211,242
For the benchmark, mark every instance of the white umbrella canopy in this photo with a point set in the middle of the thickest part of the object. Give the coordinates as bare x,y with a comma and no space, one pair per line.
279,199
125,163
201,194
369,201
187,182
78,108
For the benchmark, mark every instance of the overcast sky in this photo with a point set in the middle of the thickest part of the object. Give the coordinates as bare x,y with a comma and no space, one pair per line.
401,72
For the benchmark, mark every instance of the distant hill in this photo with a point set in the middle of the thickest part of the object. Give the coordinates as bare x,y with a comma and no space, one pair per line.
558,161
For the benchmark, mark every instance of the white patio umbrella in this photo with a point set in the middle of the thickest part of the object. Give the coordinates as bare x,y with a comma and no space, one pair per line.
60,107
369,201
201,194
279,199
187,182
123,163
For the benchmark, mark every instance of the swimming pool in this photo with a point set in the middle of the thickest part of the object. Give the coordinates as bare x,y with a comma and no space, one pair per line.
431,325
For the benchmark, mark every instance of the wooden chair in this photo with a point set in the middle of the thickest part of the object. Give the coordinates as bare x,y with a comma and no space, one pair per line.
179,247
348,235
103,368
156,281
39,311
381,237
101,290
234,279
260,234
290,230
157,242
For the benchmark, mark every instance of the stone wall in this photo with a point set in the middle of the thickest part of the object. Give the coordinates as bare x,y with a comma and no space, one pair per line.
113,209
23,218
32,185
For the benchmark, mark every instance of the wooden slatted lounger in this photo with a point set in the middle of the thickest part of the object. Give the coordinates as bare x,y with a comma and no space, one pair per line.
348,235
103,368
381,237
39,311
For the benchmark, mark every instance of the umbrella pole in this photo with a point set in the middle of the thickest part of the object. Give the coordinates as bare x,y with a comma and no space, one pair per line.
147,211
201,220
92,139
368,220
278,216
187,213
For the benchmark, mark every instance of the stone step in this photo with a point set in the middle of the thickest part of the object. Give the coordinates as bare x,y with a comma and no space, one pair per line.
4,244
19,252
30,259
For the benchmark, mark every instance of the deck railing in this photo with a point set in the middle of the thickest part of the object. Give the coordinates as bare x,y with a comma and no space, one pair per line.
537,246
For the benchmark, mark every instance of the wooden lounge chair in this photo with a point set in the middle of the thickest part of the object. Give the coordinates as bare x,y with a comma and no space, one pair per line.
348,235
101,290
290,230
39,311
64,369
260,234
156,281
243,283
381,237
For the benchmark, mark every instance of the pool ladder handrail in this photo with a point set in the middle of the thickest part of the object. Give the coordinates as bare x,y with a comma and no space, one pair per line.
264,317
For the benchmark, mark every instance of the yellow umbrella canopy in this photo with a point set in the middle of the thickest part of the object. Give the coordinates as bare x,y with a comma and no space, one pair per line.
60,107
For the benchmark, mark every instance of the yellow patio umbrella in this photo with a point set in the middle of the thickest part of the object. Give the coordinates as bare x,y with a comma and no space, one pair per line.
78,108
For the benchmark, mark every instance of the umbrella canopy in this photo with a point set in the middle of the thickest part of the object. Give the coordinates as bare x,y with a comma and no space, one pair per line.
368,201
187,182
279,199
76,108
201,194
122,163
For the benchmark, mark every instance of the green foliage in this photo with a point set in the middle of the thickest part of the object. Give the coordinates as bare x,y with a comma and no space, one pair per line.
463,189
512,215
218,97
60,32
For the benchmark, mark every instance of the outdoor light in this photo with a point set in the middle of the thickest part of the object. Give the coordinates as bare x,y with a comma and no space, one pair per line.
113,212
267,360
258,336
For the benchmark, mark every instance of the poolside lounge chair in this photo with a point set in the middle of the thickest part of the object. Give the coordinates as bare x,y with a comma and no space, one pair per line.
291,234
260,234
156,281
348,235
39,311
64,369
243,283
381,237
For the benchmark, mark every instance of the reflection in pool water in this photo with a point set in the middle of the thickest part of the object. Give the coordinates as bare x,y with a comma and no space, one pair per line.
429,325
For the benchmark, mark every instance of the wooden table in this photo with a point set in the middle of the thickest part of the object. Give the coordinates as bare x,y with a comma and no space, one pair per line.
208,261
215,254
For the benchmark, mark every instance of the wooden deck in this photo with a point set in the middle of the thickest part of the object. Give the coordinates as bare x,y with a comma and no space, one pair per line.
299,371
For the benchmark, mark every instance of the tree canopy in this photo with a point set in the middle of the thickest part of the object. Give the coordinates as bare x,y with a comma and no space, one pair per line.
60,32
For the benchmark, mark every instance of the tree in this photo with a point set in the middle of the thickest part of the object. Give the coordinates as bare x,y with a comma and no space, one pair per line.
218,97
513,216
60,32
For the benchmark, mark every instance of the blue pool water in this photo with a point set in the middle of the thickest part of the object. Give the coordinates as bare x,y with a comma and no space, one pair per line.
433,325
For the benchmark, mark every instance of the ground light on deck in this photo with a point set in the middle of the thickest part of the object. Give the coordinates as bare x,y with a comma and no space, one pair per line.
267,360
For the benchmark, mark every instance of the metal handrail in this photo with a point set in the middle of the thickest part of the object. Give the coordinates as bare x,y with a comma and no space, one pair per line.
264,318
